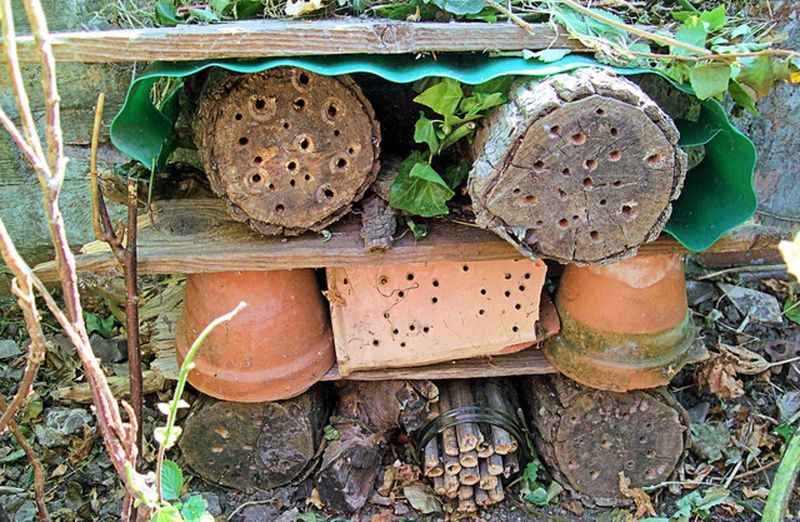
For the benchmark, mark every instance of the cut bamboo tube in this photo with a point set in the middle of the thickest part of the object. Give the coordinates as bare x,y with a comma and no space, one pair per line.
438,486
482,498
451,485
466,492
449,439
497,494
433,461
486,481
511,464
468,433
495,465
502,441
467,506
469,476
452,464
469,459
485,448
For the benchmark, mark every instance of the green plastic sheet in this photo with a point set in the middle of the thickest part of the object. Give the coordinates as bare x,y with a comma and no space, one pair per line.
718,194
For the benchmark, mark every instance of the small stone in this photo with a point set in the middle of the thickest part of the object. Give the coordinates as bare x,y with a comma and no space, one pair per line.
401,508
8,349
109,350
699,292
757,305
288,516
26,512
67,421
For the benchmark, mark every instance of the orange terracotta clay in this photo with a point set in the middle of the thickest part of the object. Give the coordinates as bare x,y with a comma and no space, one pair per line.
625,325
275,348
398,316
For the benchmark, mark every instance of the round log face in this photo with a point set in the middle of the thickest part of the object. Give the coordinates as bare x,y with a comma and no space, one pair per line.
580,168
603,434
288,149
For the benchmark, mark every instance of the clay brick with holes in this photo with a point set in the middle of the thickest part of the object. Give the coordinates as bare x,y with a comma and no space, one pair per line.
398,316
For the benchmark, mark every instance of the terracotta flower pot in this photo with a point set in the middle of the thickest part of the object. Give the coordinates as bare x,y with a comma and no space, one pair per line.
624,326
275,348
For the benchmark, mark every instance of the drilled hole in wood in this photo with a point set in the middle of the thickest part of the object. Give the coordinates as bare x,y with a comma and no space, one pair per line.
291,165
566,172
615,155
286,125
255,178
563,223
332,110
562,194
628,211
538,166
279,208
600,112
617,183
578,139
292,182
337,132
594,474
243,140
590,164
299,103
328,193
655,159
260,104
238,116
307,177
595,235
588,183
614,131
341,163
555,130
530,200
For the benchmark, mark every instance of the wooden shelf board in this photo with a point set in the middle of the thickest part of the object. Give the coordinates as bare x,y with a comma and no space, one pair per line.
198,236
263,38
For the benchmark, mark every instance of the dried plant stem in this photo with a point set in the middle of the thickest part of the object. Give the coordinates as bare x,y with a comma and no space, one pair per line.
782,487
38,470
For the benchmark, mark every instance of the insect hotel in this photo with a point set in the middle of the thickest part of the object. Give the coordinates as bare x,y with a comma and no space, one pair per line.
540,316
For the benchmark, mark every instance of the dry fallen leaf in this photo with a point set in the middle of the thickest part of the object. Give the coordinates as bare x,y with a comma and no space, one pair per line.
747,362
385,515
406,474
301,7
388,479
719,375
640,498
761,492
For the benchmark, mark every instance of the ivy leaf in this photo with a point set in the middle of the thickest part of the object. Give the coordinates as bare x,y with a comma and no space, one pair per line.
206,15
101,325
424,132
460,7
743,98
443,97
456,174
166,514
171,480
247,9
481,101
419,189
546,55
220,6
194,508
710,79
716,18
418,230
692,32
758,75
499,84
166,14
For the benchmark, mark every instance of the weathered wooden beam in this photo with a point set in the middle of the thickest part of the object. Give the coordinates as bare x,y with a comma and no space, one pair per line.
198,236
262,38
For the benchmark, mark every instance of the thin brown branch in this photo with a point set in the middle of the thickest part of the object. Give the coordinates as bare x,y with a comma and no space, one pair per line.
38,470
18,138
23,290
132,307
94,185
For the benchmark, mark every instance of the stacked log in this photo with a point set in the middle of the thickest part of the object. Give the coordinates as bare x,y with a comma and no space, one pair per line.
470,460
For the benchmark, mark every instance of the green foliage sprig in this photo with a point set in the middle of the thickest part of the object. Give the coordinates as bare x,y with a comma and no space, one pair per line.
419,188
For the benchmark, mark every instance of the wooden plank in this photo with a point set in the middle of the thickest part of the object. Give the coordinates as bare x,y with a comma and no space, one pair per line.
262,38
198,236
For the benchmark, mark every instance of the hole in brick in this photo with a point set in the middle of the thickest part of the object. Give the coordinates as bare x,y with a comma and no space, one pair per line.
291,165
328,193
530,200
425,329
465,268
238,116
410,277
590,164
588,183
435,282
375,342
483,291
507,293
383,280
515,328
563,223
412,327
434,299
518,306
260,104
521,288
595,235
258,159
304,79
578,139
507,276
255,178
614,131
615,155
654,159
243,140
481,311
279,208
299,103
401,294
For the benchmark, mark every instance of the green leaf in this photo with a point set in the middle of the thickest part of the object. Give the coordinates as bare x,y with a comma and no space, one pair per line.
716,18
419,189
101,325
461,131
499,84
538,496
419,230
194,508
785,431
166,514
424,132
791,309
166,13
710,79
743,98
13,456
220,6
160,435
455,175
443,97
546,55
330,433
171,480
692,32
480,101
460,7
206,15
422,499
758,74
247,9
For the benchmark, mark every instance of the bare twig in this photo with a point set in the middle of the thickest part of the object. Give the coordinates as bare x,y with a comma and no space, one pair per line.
38,470
132,309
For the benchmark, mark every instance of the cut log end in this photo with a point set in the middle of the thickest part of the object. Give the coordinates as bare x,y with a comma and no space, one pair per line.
289,150
581,167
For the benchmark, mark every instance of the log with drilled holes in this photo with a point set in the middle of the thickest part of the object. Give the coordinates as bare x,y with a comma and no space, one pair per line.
581,167
588,437
287,149
253,446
